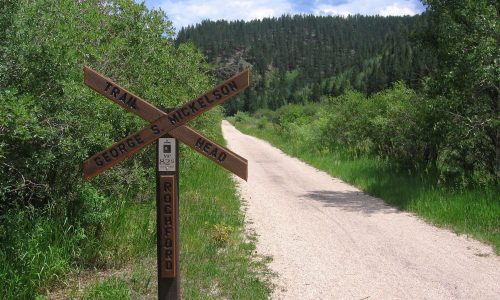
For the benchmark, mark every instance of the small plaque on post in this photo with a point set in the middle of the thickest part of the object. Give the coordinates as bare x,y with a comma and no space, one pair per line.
166,154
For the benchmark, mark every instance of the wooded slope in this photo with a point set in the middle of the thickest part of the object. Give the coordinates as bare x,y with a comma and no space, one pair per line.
299,58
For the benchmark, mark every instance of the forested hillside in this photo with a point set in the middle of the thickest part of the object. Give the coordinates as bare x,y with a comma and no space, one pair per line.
297,59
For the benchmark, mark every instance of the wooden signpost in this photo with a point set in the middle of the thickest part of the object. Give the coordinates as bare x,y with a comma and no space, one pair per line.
167,216
167,129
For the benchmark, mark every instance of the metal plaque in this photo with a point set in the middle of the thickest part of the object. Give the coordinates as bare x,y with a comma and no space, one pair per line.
166,154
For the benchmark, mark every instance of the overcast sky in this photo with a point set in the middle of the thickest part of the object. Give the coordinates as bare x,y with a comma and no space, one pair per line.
190,12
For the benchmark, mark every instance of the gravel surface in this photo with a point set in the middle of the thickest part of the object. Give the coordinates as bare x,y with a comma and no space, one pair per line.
329,240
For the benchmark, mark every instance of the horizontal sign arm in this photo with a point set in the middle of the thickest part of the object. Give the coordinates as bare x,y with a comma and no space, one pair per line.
119,95
166,124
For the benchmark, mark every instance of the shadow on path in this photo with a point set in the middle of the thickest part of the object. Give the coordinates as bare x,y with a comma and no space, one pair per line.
351,201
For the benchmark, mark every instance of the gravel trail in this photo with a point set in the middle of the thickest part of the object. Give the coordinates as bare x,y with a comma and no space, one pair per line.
328,240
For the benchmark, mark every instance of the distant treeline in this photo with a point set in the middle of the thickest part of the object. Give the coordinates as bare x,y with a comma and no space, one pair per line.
297,59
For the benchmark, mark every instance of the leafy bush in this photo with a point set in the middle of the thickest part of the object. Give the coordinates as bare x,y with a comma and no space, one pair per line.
266,113
463,35
241,116
390,124
292,113
400,125
221,234
346,122
398,128
51,221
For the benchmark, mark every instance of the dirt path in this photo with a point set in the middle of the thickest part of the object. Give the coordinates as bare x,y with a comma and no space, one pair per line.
328,240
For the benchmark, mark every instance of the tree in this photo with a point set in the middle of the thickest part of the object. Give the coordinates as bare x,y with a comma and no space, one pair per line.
464,35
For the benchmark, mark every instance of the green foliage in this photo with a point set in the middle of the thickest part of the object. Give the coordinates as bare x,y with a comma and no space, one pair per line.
465,87
266,113
397,124
241,116
450,54
221,234
51,221
346,119
390,124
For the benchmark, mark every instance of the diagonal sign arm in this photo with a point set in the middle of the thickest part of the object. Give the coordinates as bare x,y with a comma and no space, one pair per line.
165,124
121,96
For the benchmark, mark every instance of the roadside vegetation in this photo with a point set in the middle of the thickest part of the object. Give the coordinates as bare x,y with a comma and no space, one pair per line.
434,151
375,143
62,235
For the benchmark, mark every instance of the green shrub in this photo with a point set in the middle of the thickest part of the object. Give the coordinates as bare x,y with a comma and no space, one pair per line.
221,234
464,89
51,221
241,116
392,124
266,113
346,123
291,114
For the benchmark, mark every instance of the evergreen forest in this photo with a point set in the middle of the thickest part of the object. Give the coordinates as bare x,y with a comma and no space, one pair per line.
297,59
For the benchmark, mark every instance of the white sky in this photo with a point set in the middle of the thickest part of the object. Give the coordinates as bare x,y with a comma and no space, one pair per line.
190,12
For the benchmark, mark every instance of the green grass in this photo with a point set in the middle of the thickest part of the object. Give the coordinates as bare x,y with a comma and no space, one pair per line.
111,288
475,212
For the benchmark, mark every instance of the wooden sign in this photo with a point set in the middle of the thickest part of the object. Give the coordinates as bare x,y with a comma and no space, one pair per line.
232,162
168,227
166,128
163,123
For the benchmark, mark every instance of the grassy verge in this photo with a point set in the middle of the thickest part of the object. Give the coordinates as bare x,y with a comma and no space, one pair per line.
216,254
475,212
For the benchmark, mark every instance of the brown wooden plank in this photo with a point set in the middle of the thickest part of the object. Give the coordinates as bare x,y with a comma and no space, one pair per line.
167,238
167,234
120,96
126,147
213,151
133,103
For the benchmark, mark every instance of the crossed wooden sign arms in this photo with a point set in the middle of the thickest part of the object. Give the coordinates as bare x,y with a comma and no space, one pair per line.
162,123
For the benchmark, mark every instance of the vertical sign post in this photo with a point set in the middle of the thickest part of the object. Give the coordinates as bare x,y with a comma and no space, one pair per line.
167,218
